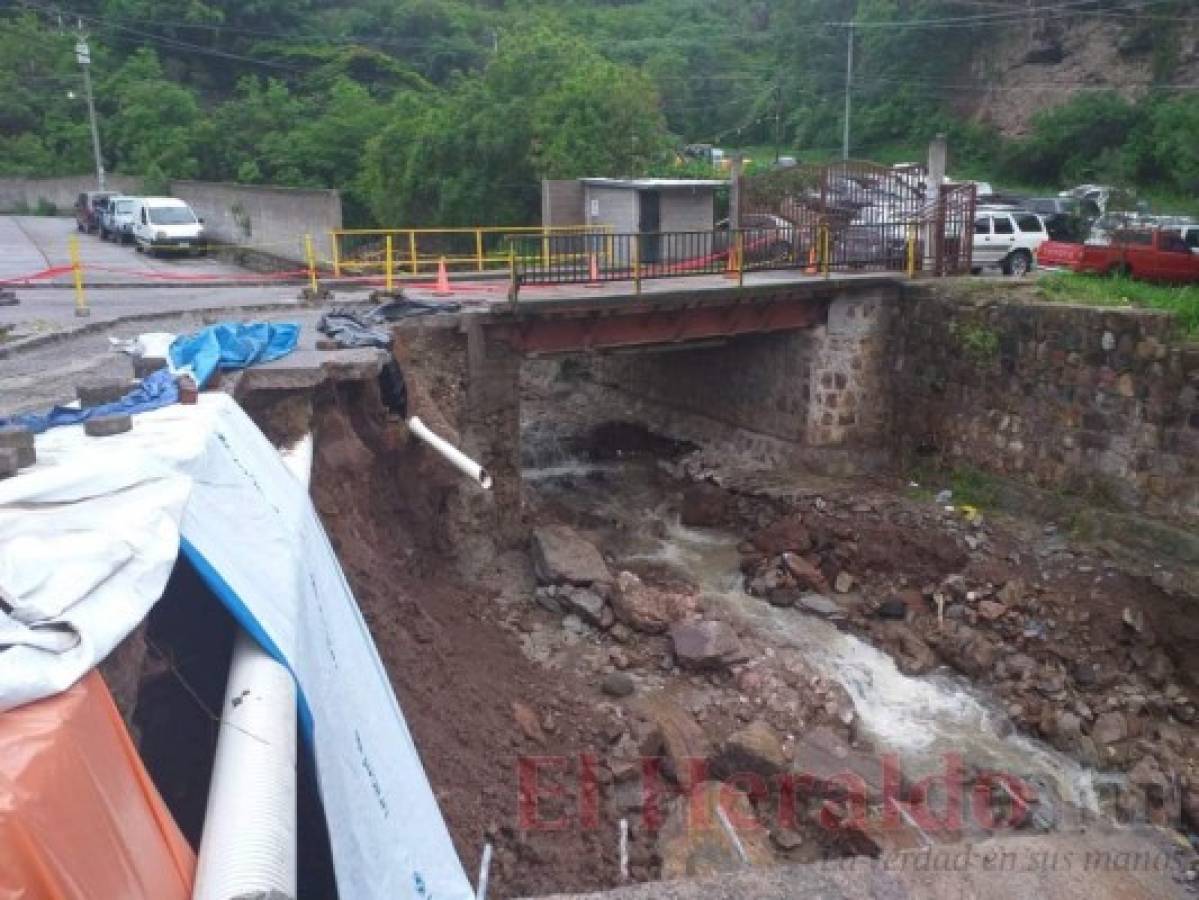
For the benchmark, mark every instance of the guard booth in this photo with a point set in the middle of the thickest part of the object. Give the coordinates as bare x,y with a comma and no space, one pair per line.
644,206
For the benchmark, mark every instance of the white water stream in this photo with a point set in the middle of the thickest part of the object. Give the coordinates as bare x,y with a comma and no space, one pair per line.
920,719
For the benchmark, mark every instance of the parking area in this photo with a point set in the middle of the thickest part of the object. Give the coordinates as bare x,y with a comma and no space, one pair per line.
31,245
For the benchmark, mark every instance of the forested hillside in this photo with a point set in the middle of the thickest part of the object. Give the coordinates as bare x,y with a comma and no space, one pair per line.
450,111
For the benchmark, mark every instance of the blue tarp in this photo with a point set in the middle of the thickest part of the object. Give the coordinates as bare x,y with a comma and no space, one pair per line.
232,345
159,389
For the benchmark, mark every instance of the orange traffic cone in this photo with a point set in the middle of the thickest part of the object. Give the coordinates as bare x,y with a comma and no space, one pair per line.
733,263
811,269
593,277
443,280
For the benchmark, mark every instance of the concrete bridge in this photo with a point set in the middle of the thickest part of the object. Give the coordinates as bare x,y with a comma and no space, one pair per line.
782,367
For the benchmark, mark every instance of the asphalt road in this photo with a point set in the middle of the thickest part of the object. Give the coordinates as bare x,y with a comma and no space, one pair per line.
30,244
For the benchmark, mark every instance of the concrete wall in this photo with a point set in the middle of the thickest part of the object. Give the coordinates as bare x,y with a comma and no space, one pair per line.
688,209
562,203
24,193
617,208
271,219
1100,404
274,219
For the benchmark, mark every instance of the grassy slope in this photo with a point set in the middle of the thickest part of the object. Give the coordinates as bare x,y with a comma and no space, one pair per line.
1095,290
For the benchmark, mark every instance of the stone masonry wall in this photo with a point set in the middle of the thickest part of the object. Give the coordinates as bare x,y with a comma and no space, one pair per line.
1098,403
771,396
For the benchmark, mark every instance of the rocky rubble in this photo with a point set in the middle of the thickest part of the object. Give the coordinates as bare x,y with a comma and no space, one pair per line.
1070,648
1075,664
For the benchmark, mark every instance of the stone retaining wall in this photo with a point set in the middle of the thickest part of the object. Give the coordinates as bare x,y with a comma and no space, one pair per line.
779,394
1097,403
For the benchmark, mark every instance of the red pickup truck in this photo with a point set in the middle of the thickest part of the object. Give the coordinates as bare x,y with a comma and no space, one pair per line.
1147,255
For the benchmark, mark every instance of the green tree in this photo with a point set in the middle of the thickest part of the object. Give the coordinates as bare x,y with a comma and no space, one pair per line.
151,120
546,106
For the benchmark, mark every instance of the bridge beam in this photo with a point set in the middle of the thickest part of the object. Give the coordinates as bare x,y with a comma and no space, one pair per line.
610,328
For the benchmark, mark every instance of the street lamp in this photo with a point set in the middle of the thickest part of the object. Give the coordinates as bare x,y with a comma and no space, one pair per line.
83,56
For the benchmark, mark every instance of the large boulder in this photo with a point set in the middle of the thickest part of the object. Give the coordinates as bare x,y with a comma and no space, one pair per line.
676,737
562,556
586,604
705,645
912,655
825,765
648,609
806,576
712,830
756,748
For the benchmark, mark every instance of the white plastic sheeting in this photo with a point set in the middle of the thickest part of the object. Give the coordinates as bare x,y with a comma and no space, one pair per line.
204,479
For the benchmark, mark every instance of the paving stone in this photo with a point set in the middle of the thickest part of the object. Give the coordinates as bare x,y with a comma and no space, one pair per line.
99,391
14,437
8,462
104,426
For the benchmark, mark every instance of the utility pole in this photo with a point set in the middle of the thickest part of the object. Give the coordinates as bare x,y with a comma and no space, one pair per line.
83,56
848,95
778,121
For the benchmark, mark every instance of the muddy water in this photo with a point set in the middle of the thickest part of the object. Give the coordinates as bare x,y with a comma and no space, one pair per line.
919,719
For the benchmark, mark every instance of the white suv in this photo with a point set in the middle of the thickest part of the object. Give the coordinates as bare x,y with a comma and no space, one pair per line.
1007,238
1190,234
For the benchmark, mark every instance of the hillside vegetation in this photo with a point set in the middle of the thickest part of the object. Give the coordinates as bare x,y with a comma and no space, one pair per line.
450,111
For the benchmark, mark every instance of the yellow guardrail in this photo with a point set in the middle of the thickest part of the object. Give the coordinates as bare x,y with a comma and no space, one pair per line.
413,250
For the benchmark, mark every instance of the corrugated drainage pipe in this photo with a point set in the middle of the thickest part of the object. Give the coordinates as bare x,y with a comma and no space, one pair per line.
456,457
248,849
249,843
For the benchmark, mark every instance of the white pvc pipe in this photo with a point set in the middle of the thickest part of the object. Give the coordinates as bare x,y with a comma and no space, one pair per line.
456,457
249,843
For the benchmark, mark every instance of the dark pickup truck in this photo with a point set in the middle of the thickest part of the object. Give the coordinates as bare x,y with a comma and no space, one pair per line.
1147,255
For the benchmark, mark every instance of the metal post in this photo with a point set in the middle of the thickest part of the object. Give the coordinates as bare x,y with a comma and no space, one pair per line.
740,258
81,308
388,263
336,253
911,251
479,247
310,255
637,263
735,194
848,92
83,55
514,286
412,252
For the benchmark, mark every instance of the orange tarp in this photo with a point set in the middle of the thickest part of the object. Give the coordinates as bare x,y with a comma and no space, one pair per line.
79,815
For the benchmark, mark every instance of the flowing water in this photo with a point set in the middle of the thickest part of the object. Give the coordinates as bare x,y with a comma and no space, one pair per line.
920,719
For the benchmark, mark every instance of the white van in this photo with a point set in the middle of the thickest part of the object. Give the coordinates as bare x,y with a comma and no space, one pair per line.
165,224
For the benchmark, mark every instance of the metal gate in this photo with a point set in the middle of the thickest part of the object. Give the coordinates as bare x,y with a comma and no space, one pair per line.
860,216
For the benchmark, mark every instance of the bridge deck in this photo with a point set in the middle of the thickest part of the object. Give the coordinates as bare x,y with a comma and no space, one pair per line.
493,293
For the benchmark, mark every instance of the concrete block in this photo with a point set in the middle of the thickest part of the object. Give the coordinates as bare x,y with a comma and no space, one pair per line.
104,426
14,437
8,462
8,298
99,391
144,366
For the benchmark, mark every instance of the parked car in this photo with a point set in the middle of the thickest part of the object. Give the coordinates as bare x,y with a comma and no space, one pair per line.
88,207
116,222
1007,238
162,224
1147,255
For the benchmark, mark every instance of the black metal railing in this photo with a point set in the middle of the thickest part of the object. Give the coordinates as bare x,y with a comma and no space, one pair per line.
819,248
